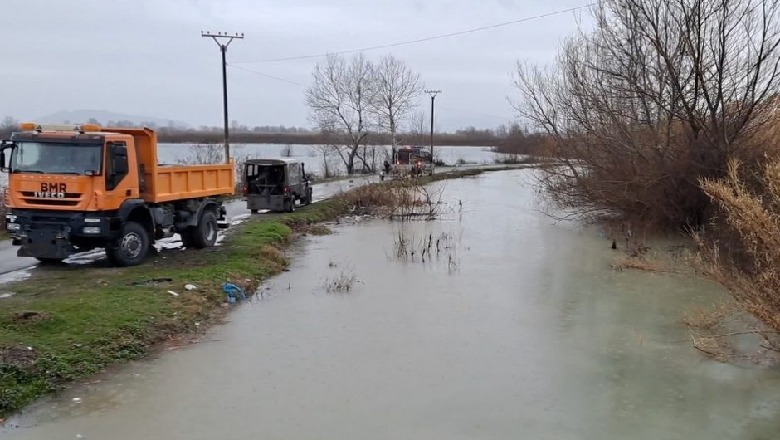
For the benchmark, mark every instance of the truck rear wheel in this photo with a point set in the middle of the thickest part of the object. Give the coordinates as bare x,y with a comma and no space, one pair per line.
205,233
131,247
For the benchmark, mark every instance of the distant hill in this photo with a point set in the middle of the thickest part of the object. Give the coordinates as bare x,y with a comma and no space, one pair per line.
109,118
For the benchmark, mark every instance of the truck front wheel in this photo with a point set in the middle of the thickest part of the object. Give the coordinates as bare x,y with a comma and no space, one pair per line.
205,233
131,247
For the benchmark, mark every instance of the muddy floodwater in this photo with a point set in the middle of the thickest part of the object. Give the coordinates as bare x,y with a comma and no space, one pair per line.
518,328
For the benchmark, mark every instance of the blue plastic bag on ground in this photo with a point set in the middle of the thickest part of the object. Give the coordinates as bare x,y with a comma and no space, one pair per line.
233,292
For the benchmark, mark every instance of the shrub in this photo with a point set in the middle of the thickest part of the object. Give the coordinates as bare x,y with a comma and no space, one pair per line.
742,249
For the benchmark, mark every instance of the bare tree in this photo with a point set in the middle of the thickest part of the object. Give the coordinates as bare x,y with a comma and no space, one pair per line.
397,90
340,99
418,128
326,152
659,95
8,125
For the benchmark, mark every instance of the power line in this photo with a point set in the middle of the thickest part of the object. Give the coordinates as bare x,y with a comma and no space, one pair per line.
425,39
266,75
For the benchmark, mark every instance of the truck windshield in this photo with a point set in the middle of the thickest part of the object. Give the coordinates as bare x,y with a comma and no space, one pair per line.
56,158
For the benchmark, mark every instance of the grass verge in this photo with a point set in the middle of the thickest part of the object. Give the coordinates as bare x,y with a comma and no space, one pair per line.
67,323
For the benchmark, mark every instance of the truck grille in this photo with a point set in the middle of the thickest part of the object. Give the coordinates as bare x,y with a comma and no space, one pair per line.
52,202
70,199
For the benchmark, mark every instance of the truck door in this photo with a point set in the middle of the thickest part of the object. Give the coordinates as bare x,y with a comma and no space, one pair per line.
119,184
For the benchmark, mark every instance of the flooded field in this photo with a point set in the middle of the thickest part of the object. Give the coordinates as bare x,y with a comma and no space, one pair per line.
515,328
312,157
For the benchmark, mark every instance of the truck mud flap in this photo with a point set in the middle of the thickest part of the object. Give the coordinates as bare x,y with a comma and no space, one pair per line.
45,244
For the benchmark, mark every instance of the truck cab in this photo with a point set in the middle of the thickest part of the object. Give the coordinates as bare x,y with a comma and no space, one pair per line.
76,188
412,161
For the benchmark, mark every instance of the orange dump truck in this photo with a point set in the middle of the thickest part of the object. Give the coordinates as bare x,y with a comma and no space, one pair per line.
76,188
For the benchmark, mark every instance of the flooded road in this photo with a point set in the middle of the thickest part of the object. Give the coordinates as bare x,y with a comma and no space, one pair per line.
516,329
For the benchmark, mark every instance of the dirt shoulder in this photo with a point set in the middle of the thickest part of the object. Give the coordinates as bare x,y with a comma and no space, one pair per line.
67,323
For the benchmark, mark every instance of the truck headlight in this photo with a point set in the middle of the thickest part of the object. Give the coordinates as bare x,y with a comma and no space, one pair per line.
91,230
13,226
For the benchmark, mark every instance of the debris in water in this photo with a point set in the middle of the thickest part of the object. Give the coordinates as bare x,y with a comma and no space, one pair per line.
233,292
173,293
77,400
190,287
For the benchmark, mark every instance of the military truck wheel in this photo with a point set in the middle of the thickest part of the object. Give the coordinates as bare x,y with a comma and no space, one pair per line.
309,196
205,234
131,247
48,261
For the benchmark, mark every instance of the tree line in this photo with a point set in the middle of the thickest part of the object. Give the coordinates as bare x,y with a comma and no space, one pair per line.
415,131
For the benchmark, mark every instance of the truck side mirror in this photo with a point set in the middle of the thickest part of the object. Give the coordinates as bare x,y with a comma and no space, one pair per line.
6,145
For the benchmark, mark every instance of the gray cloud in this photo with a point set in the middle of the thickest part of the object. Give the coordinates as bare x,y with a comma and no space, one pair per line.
147,56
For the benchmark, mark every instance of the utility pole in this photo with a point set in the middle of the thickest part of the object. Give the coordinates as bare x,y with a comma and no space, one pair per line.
433,94
223,40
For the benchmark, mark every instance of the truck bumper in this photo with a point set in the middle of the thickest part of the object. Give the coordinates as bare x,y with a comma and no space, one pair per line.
272,203
46,234
46,244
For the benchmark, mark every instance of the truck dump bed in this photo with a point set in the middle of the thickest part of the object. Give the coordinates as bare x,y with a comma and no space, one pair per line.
166,183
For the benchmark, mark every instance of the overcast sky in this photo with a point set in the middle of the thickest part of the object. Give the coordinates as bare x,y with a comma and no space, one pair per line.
146,57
